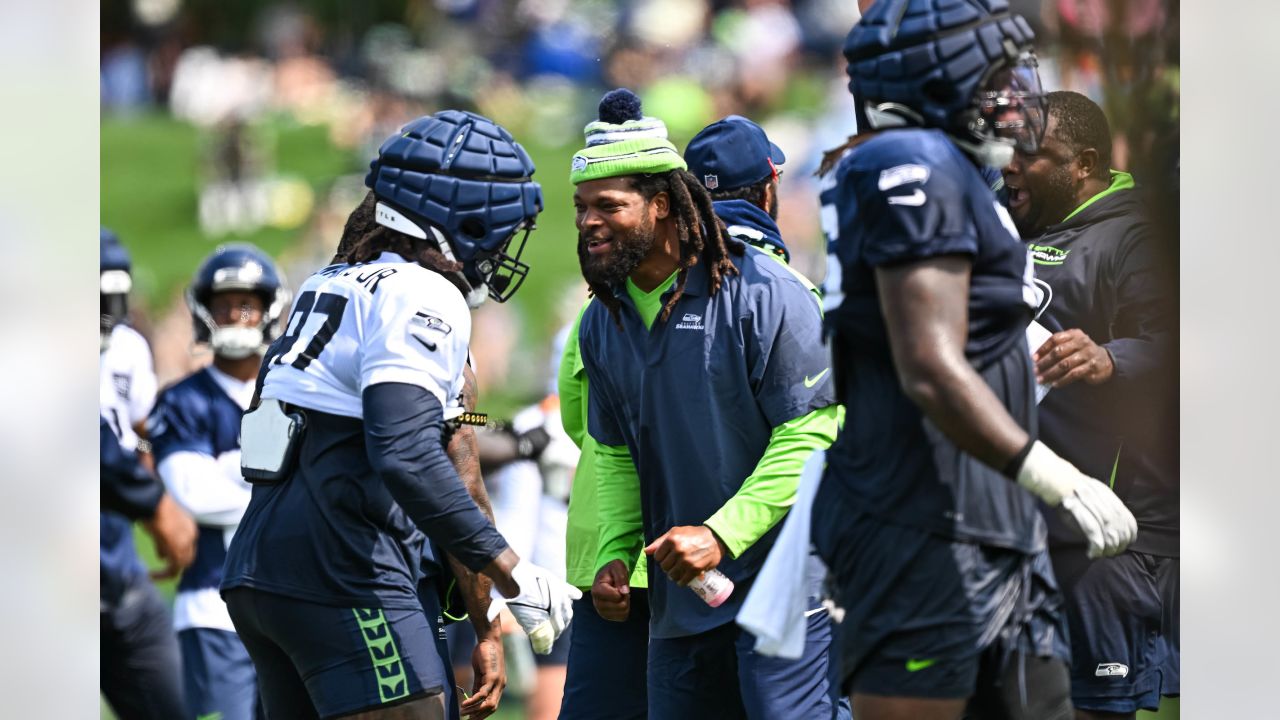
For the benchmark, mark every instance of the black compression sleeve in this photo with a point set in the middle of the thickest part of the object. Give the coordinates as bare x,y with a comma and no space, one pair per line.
127,487
402,428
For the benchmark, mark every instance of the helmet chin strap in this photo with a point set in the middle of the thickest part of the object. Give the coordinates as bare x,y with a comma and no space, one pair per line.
479,293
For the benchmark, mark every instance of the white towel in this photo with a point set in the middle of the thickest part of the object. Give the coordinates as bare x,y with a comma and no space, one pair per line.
775,608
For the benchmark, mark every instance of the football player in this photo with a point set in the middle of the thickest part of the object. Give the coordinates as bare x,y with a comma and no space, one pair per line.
236,300
140,676
358,399
928,513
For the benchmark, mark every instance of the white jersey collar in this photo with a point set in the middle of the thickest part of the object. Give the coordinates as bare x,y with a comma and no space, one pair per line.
389,257
239,391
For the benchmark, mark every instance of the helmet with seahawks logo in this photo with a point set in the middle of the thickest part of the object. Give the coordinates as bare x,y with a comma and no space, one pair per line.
242,267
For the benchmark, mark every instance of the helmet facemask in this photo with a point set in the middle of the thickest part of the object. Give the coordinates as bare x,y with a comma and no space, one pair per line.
502,272
493,274
236,342
1008,113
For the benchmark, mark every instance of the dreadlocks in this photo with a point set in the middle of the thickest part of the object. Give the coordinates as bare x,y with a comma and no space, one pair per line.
701,234
363,240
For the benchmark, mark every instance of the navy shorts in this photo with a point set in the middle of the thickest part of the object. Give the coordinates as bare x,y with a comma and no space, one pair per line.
1122,615
141,675
320,661
218,675
925,616
718,674
605,679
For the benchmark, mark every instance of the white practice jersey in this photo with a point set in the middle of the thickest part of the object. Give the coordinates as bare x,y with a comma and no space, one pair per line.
127,383
354,326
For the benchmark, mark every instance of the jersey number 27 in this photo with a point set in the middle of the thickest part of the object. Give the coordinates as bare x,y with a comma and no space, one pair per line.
312,325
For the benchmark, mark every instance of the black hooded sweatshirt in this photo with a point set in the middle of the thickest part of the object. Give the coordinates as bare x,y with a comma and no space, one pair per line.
1104,275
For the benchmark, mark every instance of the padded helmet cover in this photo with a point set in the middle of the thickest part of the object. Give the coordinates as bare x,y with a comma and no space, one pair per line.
932,56
463,174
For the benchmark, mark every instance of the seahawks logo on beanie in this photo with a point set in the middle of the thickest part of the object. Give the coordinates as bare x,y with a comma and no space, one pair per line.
623,142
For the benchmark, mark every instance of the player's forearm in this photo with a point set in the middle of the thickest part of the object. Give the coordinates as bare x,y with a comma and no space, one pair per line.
204,487
474,586
618,496
475,590
464,454
770,491
403,425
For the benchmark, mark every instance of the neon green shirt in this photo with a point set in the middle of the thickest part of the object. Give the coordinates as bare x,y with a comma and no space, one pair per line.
583,525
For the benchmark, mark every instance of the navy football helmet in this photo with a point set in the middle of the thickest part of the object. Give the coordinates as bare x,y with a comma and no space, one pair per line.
237,266
461,180
114,284
964,66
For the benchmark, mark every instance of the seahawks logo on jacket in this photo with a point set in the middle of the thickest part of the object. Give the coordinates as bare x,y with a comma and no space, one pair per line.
1047,254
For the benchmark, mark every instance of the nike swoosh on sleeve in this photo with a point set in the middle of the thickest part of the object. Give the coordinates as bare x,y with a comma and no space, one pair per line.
428,345
811,381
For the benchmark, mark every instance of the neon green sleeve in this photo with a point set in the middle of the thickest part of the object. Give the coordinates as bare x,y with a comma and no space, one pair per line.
618,497
572,388
769,492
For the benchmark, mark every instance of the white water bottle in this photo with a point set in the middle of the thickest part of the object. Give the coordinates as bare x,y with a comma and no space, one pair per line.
713,586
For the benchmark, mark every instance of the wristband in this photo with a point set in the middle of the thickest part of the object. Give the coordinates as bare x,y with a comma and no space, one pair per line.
1015,463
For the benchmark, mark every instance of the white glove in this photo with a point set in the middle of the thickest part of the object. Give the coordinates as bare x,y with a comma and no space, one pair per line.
544,606
1103,519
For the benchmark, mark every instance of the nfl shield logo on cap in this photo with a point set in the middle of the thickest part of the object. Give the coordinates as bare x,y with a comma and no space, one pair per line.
711,181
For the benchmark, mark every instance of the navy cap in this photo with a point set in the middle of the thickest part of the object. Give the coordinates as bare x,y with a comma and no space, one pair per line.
732,153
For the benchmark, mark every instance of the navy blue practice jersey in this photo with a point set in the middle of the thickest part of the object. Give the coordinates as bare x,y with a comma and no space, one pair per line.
195,434
906,196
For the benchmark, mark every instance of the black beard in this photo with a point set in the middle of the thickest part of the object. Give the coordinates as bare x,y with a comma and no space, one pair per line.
1055,198
623,258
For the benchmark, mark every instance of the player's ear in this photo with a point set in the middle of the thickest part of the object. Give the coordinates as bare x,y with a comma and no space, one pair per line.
1086,163
767,196
661,203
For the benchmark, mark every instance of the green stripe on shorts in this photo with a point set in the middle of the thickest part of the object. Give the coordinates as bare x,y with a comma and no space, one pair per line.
388,670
